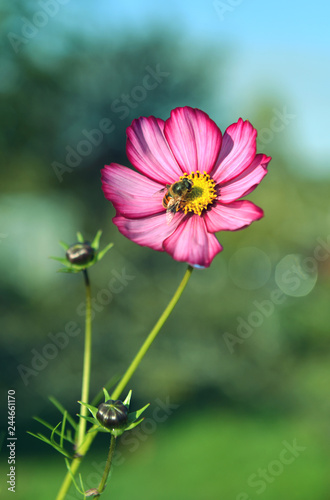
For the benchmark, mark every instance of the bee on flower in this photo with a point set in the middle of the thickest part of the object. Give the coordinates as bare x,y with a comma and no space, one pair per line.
200,177
176,196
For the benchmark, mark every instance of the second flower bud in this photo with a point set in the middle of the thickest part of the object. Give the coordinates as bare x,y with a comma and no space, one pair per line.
112,414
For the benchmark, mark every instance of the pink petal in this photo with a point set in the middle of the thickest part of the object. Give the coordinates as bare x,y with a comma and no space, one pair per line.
194,139
237,151
149,152
192,243
246,182
148,231
131,194
231,217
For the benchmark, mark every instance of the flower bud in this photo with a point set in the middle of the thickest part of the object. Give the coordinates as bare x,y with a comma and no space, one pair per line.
112,414
80,253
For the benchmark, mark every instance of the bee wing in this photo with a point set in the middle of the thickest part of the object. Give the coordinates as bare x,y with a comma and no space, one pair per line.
169,216
171,210
161,191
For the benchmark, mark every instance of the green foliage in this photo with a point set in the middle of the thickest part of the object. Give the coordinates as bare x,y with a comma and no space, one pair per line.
67,434
217,461
81,489
64,434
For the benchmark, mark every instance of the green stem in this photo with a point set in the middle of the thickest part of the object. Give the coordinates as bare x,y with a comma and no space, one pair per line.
75,463
151,337
124,381
103,481
87,365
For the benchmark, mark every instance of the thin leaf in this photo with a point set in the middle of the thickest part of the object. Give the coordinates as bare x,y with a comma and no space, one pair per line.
91,408
96,241
82,484
128,399
89,419
52,444
135,414
106,394
82,492
96,428
99,429
41,437
101,254
61,408
109,384
68,437
60,259
52,438
43,422
63,429
64,245
134,424
80,237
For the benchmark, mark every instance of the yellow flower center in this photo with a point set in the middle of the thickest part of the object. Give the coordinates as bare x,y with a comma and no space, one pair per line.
202,193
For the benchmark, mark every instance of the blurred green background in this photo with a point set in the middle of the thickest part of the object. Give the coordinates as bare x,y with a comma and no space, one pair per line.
244,358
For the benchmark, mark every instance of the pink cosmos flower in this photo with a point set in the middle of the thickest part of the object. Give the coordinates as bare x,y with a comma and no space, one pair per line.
220,171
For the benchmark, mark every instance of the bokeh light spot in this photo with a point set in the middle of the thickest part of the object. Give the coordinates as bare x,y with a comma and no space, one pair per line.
295,275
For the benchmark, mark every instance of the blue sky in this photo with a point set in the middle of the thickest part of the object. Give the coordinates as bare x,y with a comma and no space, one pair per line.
277,48
253,22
